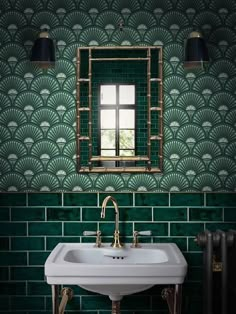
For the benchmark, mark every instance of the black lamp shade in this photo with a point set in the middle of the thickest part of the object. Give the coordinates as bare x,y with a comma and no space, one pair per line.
196,52
43,51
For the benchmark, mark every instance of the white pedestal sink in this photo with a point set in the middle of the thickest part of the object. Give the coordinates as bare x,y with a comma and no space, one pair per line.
115,272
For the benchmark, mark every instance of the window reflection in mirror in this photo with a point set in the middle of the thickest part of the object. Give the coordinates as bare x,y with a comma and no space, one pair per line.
117,122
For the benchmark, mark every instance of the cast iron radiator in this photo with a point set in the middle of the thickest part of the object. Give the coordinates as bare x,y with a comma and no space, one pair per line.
219,271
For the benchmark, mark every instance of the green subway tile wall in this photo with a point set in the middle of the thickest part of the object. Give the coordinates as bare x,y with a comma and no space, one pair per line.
28,234
37,144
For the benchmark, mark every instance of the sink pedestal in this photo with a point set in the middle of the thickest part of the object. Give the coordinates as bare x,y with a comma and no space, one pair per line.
172,295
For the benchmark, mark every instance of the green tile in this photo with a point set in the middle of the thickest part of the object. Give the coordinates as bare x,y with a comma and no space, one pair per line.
27,243
96,302
27,273
63,213
123,199
180,242
27,303
186,199
194,274
80,199
194,259
158,229
13,288
94,214
221,226
4,304
77,228
205,214
12,229
140,302
51,242
4,273
159,304
221,199
170,214
192,245
38,258
186,229
45,228
230,214
27,214
4,214
108,229
151,199
45,199
12,199
136,214
13,258
4,244
38,288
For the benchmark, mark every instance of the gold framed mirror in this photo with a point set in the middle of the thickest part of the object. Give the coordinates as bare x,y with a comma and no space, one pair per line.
119,109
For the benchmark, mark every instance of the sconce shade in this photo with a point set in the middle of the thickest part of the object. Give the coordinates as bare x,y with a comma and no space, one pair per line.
196,52
43,51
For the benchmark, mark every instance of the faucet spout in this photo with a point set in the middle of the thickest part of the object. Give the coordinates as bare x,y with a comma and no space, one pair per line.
116,242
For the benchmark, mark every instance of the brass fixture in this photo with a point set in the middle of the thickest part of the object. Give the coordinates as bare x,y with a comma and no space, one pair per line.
173,297
216,266
98,237
135,243
116,243
67,295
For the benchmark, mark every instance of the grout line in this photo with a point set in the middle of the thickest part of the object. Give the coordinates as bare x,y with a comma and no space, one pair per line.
27,199
62,199
62,228
223,214
169,199
133,200
204,197
188,210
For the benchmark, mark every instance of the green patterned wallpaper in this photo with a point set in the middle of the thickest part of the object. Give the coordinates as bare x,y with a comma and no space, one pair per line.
37,107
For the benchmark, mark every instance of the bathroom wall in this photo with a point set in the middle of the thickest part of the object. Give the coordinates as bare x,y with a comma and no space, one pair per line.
44,201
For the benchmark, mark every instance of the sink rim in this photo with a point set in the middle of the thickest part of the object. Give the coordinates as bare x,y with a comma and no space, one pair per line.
58,272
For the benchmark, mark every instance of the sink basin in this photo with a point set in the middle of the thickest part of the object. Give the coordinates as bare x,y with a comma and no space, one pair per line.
115,272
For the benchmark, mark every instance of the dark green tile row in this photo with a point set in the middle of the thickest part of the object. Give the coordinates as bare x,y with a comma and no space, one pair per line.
206,214
13,258
27,243
124,199
170,214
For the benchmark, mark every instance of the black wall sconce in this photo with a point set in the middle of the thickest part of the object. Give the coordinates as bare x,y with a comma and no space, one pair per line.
43,51
196,52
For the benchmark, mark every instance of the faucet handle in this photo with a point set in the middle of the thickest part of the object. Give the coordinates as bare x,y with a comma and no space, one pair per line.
95,233
90,233
145,233
135,243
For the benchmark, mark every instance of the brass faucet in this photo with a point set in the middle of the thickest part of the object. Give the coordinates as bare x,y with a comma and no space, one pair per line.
116,243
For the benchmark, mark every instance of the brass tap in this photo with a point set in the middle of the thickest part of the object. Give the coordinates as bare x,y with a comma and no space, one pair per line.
116,243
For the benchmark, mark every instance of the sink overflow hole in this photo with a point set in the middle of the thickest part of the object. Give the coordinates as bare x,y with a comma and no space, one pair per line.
118,257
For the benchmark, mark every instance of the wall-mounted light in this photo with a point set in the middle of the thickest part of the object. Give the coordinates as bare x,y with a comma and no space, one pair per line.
196,52
43,51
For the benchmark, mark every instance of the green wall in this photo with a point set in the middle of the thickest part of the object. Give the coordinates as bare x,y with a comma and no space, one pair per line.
37,144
